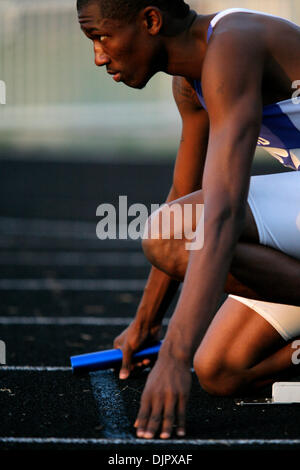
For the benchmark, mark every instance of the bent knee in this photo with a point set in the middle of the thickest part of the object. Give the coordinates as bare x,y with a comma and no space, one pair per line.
163,251
218,378
165,258
150,249
169,222
155,249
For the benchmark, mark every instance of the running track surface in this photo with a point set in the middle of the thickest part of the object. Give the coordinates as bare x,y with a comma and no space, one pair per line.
63,292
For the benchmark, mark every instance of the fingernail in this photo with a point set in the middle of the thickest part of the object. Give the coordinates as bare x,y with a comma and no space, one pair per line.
135,424
180,432
165,435
148,435
123,375
140,433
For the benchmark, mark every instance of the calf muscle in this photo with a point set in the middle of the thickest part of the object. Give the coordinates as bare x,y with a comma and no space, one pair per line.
272,275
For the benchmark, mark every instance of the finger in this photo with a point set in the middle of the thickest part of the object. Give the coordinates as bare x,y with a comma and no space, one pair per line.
181,414
139,366
168,418
126,364
135,368
143,416
144,363
155,420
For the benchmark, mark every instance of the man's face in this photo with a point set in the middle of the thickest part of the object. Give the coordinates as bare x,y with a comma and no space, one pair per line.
122,47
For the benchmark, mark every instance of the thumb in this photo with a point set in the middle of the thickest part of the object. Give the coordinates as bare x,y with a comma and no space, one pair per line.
126,364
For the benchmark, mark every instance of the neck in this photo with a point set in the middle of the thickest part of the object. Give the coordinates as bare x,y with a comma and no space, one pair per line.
185,51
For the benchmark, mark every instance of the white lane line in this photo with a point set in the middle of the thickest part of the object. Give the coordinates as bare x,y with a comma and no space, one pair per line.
149,442
98,321
72,258
111,407
36,368
73,284
58,229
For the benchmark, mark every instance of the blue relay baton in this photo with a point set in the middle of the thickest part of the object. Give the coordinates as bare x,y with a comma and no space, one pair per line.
109,358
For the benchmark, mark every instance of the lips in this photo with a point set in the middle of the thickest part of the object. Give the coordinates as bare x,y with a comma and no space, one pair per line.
116,75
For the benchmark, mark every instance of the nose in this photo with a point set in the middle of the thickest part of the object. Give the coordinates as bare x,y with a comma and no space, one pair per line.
100,57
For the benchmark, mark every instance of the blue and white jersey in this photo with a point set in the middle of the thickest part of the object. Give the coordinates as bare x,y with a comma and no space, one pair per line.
280,130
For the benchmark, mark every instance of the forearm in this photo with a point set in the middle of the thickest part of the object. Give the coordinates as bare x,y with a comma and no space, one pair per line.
225,200
202,288
158,294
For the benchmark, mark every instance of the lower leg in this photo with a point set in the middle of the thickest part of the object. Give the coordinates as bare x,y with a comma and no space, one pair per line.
242,352
263,273
280,365
257,272
230,381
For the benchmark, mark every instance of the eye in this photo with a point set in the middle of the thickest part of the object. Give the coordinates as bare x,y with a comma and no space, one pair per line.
102,37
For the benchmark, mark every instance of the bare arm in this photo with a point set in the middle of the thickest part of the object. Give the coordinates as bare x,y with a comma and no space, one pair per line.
231,82
187,178
232,79
160,289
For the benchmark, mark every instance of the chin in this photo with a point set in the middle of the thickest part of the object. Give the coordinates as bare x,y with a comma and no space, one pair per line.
140,86
137,84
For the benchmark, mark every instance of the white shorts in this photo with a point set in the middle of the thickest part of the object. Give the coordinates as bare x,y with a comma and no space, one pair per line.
275,204
284,318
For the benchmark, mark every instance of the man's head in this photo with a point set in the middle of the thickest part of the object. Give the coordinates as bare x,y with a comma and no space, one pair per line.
128,9
128,34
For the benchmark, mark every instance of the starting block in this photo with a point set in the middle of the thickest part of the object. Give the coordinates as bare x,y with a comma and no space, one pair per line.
283,393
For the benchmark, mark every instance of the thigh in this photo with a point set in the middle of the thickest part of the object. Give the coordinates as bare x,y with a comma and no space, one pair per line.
168,227
250,232
238,337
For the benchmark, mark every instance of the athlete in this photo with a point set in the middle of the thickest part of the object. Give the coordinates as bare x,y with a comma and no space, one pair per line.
234,84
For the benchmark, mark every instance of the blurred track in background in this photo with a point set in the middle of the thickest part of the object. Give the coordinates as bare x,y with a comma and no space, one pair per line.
60,105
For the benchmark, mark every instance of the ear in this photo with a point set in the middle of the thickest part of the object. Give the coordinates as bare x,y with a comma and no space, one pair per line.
152,18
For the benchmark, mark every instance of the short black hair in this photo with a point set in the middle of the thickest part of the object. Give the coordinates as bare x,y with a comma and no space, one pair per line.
120,9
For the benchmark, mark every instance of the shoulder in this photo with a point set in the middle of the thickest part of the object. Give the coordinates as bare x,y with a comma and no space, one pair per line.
237,33
250,23
235,57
